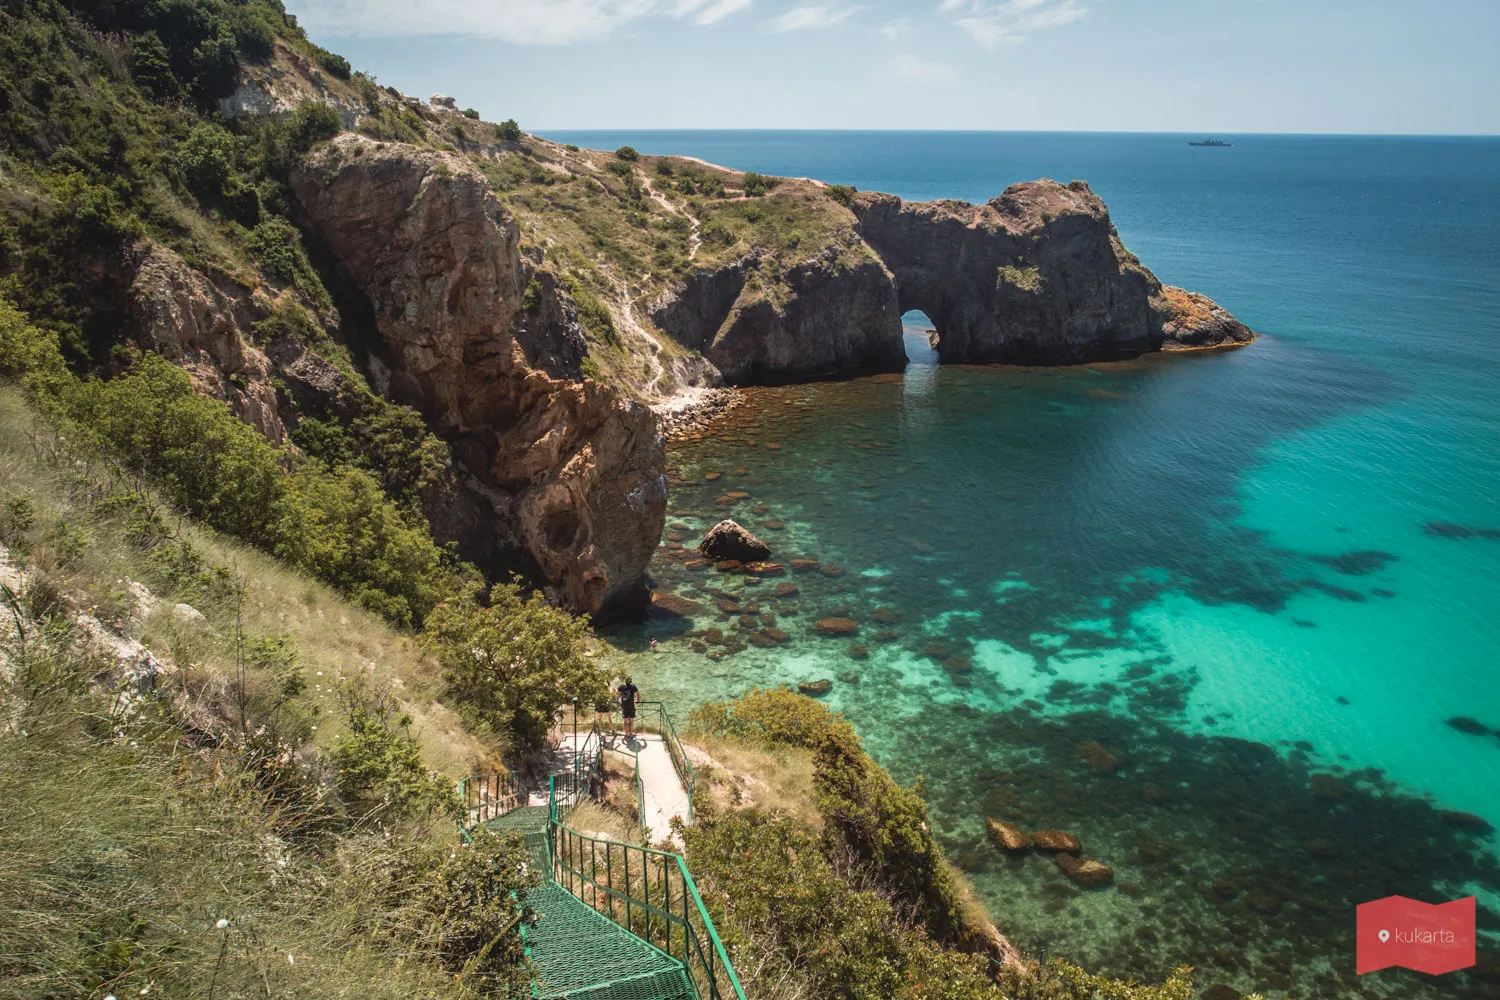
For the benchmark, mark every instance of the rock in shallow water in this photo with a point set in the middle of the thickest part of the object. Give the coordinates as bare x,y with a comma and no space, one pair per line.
1007,835
1056,840
816,688
837,626
1084,871
729,541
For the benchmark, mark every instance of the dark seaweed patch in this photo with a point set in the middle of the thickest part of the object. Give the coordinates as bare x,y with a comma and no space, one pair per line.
1357,563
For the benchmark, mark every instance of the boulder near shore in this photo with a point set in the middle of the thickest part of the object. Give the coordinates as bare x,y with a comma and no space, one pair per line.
728,540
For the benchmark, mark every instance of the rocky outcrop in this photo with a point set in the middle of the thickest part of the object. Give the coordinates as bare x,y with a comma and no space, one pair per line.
179,313
1037,275
761,322
478,337
728,540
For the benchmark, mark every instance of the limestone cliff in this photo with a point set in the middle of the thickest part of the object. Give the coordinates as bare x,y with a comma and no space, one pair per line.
759,321
476,336
1036,276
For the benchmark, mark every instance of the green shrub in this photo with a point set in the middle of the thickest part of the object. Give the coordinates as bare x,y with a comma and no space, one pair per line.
591,369
628,154
841,193
394,123
620,168
593,315
471,113
210,465
754,185
207,159
458,906
332,62
339,525
380,768
287,319
277,245
28,354
512,661
865,812
508,131
781,903
389,441
774,716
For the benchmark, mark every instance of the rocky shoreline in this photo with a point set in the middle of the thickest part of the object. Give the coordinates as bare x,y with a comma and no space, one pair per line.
693,413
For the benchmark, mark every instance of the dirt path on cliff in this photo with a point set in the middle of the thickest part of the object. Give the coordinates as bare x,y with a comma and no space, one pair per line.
695,238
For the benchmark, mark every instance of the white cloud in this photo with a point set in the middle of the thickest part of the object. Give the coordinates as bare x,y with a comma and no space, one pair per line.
709,11
907,66
896,28
522,22
811,18
992,23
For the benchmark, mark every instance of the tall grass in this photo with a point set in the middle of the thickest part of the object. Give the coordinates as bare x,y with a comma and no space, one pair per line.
121,854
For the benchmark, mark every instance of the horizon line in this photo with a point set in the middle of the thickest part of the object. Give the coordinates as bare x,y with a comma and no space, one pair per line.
1001,131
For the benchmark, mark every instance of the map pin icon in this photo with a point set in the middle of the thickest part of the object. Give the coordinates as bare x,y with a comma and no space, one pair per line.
1384,936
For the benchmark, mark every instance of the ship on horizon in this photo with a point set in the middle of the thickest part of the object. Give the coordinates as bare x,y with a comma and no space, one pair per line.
1211,142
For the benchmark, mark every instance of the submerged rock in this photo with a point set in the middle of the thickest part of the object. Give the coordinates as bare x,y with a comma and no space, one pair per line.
816,688
1056,840
1084,871
837,626
728,540
1098,759
1007,835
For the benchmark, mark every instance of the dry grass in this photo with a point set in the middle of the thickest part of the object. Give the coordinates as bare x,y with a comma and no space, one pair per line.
593,819
738,776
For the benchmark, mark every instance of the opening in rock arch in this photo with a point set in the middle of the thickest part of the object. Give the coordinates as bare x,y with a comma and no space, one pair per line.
921,338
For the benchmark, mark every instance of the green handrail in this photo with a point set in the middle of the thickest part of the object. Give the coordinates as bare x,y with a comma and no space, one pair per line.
659,901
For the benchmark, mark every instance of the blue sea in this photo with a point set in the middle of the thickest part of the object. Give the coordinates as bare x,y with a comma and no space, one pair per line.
1266,582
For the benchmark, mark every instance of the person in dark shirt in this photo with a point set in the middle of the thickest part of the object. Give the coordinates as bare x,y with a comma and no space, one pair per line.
628,693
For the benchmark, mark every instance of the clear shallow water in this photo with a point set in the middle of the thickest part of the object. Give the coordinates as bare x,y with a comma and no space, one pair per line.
1223,568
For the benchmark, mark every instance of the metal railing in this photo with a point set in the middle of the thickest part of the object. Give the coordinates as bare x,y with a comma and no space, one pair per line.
650,894
484,797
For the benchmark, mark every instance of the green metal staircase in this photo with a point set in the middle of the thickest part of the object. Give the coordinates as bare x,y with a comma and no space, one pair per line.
613,921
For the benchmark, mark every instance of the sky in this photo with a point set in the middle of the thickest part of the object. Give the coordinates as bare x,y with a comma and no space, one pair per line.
1202,66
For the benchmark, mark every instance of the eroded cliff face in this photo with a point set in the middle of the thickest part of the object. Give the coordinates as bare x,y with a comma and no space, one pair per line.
760,321
1037,275
473,333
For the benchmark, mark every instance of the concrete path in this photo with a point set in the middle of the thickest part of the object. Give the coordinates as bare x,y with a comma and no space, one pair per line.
665,797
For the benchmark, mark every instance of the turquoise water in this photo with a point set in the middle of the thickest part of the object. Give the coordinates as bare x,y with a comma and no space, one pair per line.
1234,571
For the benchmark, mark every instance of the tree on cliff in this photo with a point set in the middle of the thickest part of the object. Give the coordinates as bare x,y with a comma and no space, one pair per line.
513,662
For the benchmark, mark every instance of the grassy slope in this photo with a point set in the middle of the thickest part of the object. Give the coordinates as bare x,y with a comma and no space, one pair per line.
335,641
628,230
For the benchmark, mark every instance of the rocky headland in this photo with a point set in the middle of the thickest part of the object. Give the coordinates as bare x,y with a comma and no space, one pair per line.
553,312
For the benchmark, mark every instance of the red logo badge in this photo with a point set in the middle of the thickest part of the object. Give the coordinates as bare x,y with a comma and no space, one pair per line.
1427,937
